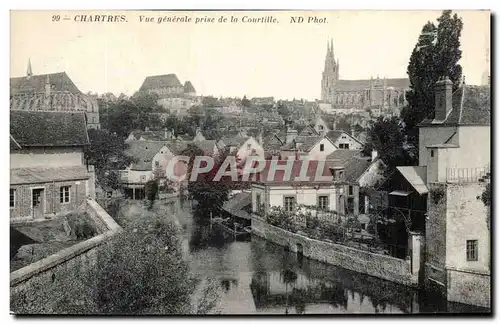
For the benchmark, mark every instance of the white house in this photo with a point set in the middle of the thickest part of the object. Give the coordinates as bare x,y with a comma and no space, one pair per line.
242,147
455,154
343,140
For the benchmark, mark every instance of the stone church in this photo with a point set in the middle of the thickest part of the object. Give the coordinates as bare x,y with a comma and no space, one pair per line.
383,94
52,92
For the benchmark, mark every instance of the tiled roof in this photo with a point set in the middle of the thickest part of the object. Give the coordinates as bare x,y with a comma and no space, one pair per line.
308,131
43,175
355,167
471,105
59,82
334,135
143,152
296,168
48,128
235,141
356,85
272,142
13,144
188,87
177,147
303,143
206,145
342,156
160,81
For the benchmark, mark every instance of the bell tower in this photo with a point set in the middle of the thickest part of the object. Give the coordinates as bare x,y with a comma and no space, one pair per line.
330,75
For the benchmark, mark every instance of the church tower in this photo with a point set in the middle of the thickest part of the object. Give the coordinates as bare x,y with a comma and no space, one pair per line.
330,75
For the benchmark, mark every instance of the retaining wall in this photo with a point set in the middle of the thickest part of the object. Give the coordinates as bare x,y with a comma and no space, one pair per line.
377,265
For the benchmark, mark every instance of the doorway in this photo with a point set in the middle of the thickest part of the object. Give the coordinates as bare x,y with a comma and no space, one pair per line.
38,202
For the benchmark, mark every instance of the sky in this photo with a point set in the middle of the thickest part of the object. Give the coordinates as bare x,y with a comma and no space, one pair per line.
282,59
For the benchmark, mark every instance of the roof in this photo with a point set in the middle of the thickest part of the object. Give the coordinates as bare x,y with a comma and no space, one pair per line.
188,87
206,145
313,167
416,176
306,143
356,85
235,205
334,135
272,142
342,156
235,141
308,131
177,147
36,83
160,81
43,175
471,105
13,144
355,168
143,152
48,128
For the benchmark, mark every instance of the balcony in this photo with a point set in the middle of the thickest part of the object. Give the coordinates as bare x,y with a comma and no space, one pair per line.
468,175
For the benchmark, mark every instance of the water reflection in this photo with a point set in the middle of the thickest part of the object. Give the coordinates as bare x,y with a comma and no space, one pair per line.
257,276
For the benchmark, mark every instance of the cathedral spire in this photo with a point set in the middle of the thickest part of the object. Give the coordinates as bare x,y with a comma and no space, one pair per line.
29,73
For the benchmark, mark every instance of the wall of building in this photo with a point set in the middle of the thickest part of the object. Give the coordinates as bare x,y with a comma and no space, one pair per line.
432,136
51,199
377,265
347,139
328,148
48,156
304,195
469,288
244,151
475,146
136,176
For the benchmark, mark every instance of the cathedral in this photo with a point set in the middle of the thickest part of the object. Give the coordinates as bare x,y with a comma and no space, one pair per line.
52,92
382,94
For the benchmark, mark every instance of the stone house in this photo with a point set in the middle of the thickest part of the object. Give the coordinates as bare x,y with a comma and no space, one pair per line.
48,171
454,149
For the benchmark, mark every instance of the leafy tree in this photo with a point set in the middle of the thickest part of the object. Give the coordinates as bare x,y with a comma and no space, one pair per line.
209,194
435,55
107,154
387,138
245,102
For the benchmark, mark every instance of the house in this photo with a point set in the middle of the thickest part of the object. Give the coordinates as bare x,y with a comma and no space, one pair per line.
455,152
357,172
344,140
48,171
52,92
242,146
151,161
317,147
320,126
290,190
149,135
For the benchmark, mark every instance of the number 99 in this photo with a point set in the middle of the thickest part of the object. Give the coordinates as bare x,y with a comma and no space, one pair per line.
56,18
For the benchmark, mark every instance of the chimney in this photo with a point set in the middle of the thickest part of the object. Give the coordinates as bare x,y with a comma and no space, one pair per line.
374,154
146,129
290,135
443,94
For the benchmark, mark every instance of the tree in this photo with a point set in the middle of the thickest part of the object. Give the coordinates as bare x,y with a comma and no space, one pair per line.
245,102
435,55
283,110
486,198
151,189
387,138
107,154
209,194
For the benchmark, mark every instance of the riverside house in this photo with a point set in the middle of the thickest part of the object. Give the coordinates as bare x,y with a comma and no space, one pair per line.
48,172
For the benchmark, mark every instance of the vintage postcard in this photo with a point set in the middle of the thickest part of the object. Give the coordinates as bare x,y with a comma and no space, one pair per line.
250,162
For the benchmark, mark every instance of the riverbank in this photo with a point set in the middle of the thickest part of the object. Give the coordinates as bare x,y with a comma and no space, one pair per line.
376,265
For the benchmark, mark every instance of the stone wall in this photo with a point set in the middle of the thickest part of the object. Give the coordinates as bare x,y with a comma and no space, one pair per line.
38,287
377,265
469,288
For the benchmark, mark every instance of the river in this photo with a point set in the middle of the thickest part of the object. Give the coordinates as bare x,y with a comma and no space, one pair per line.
259,277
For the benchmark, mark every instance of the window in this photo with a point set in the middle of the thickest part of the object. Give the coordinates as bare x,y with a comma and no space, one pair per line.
323,202
64,194
471,250
321,147
320,127
351,191
344,146
289,204
12,198
157,164
432,153
249,146
257,202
